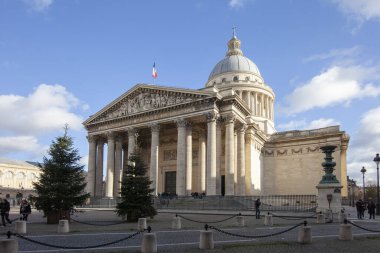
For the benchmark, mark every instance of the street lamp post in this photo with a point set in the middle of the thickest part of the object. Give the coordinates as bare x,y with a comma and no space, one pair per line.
377,161
363,170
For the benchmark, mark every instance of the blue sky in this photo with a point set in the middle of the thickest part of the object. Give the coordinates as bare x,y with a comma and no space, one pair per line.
61,61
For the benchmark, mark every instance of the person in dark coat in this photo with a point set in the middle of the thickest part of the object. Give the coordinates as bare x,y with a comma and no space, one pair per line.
371,209
4,211
25,210
257,208
360,209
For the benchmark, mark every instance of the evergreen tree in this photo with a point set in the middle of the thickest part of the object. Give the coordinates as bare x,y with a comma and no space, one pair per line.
62,182
136,197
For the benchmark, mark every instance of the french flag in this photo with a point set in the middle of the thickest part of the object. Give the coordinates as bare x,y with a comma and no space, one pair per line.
154,72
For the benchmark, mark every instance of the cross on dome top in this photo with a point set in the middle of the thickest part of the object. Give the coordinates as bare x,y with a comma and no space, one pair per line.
234,44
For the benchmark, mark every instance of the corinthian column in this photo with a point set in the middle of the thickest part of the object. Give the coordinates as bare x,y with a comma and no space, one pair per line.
91,165
211,154
131,141
154,157
218,155
99,169
229,155
241,161
202,161
343,168
118,167
110,164
181,158
189,160
249,140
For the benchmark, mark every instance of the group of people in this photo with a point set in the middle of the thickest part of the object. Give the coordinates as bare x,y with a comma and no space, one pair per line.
5,208
361,206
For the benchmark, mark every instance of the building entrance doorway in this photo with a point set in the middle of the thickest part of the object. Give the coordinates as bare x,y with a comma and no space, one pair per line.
170,182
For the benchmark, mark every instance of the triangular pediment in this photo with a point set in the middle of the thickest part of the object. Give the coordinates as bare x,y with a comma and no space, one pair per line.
143,98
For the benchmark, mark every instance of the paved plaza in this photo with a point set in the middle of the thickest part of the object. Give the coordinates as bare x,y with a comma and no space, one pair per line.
105,230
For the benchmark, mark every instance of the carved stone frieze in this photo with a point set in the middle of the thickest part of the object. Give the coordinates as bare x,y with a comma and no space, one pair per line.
145,100
297,151
282,152
155,127
312,149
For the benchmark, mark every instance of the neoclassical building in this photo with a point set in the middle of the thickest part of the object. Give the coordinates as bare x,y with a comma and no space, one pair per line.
220,139
17,177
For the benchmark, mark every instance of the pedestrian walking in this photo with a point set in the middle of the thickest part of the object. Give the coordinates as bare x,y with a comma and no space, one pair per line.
360,209
4,211
257,208
25,210
371,209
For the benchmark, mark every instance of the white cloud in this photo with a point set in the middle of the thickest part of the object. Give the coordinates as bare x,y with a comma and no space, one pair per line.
39,5
18,144
361,10
237,4
47,109
335,54
336,85
303,124
364,145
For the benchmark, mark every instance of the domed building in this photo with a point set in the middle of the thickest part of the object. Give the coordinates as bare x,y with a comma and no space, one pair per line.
219,140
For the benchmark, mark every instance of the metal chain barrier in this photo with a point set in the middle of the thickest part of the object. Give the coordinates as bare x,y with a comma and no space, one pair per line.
93,224
71,247
188,219
255,236
290,217
366,229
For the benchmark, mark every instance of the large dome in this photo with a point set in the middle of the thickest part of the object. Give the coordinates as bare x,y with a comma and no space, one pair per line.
234,61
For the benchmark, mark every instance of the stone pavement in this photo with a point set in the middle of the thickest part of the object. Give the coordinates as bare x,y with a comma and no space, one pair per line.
325,236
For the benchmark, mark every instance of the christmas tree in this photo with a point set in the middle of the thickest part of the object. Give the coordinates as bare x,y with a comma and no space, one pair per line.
62,182
136,197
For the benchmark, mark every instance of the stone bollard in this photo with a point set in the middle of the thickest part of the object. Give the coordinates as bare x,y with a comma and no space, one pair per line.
176,223
20,227
268,220
141,224
304,234
63,226
240,221
342,217
8,245
320,218
149,242
345,232
206,240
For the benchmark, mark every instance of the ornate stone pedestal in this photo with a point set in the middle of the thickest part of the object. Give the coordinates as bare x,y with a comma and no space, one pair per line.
329,188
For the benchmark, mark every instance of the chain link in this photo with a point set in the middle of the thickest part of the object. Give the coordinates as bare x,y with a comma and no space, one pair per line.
366,229
76,247
92,224
208,221
256,236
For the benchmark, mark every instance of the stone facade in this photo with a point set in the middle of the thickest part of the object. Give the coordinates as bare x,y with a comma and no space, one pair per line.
17,177
220,140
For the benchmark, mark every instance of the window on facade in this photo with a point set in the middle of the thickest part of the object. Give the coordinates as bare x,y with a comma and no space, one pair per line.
31,176
247,78
236,78
223,80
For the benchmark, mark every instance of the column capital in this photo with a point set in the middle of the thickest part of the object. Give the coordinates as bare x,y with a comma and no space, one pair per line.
181,123
242,128
111,135
212,116
229,118
92,138
155,127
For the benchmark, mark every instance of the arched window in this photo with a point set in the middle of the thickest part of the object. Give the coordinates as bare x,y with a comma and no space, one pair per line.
8,179
236,79
247,78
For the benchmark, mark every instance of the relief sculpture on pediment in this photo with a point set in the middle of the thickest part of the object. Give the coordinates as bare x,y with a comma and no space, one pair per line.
143,102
